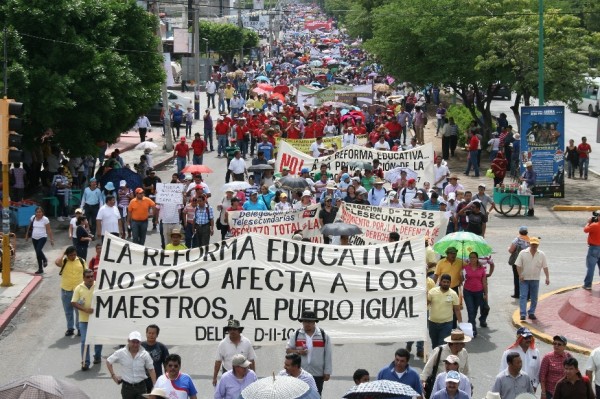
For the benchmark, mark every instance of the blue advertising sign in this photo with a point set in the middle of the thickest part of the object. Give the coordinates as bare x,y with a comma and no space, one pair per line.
542,144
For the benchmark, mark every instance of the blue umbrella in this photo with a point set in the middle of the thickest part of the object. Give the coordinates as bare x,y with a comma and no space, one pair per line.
316,84
116,175
262,78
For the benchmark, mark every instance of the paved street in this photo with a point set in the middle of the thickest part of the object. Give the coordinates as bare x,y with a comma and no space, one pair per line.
35,344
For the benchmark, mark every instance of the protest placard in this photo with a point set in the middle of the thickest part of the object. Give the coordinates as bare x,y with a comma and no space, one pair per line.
419,159
378,222
266,283
169,193
281,224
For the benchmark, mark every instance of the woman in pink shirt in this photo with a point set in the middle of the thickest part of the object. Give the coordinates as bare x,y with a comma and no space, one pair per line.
475,288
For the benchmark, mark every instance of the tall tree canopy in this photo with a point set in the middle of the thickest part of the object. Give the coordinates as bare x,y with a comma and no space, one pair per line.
226,38
84,68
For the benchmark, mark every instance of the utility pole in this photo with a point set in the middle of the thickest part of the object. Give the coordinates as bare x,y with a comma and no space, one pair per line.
165,95
541,53
196,30
240,4
270,33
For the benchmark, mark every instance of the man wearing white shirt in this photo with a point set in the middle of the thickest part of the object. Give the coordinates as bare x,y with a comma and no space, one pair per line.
314,147
108,219
237,166
198,182
377,193
349,138
441,174
211,89
530,355
381,144
142,125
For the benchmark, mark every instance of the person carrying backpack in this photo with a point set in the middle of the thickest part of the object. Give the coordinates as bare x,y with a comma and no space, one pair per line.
71,275
520,243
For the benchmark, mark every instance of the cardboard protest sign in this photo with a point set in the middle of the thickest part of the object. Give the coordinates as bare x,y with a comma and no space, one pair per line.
419,159
266,283
378,222
169,193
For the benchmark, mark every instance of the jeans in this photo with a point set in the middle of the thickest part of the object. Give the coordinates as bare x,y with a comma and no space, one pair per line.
438,331
208,137
188,129
83,325
472,162
571,167
420,345
91,211
190,240
38,246
66,297
583,167
197,159
222,143
531,288
139,230
221,105
493,154
243,147
474,302
440,125
592,259
210,99
181,161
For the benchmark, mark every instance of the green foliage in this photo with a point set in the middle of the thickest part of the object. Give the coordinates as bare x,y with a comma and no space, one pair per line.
90,67
462,117
226,38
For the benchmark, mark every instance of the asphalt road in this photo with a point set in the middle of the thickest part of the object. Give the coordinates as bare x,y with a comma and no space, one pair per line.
577,126
35,342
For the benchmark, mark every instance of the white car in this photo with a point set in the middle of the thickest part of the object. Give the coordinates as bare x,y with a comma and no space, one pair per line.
175,98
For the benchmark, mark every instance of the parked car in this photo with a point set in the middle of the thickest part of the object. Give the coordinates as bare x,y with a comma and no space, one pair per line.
503,93
175,98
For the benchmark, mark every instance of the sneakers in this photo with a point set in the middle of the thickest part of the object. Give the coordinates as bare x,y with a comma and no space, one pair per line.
39,272
532,317
45,263
78,333
60,219
69,333
522,318
585,287
85,367
97,360
483,324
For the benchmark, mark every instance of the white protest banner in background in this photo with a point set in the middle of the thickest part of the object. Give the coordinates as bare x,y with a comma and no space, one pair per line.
280,224
362,294
169,193
378,222
419,159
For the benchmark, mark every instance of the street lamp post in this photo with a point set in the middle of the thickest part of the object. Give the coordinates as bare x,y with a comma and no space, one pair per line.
541,53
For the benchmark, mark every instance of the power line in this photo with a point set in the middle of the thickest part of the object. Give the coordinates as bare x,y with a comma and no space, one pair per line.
488,14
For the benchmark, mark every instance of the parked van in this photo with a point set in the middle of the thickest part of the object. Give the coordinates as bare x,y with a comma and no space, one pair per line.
590,98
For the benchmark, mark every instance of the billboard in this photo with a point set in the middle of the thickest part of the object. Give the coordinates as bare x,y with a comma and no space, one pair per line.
543,143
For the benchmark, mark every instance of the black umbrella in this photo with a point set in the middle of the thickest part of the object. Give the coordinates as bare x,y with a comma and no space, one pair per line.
340,229
116,175
292,183
380,389
259,167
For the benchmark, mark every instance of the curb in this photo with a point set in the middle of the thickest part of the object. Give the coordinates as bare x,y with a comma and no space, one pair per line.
7,316
163,162
516,321
588,208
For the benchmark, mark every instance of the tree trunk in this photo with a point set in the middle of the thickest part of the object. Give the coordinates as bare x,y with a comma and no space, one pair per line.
515,110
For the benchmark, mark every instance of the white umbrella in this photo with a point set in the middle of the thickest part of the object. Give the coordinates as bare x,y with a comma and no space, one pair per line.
393,175
279,387
145,145
380,389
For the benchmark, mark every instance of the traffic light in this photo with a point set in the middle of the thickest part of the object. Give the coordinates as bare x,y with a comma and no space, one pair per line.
10,124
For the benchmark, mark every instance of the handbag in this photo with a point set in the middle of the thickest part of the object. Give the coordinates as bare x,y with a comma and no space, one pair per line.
430,381
489,173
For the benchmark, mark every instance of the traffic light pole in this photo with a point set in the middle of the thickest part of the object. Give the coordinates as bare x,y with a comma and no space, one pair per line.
5,226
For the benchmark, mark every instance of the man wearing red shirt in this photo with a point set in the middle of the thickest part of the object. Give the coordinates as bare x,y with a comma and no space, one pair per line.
359,129
255,131
293,131
584,150
309,130
182,152
394,127
242,134
199,146
222,130
319,127
473,152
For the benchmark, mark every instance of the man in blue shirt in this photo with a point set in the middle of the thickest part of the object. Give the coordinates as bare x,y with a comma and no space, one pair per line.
253,204
266,147
400,371
451,391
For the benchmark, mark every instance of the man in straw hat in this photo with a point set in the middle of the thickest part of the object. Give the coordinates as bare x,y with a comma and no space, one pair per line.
512,380
377,193
234,381
451,389
156,393
455,345
233,344
176,244
314,347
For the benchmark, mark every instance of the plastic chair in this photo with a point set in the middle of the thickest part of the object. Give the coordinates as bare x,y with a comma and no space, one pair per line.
53,202
75,199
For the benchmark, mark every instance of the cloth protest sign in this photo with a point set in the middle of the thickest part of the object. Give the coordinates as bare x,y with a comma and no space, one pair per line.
281,224
419,159
340,93
266,283
378,222
169,193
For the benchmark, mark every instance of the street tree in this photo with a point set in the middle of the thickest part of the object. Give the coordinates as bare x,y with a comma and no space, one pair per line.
91,67
226,38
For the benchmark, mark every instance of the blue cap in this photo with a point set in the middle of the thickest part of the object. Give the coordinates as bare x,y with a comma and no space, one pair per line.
524,332
304,170
345,176
523,228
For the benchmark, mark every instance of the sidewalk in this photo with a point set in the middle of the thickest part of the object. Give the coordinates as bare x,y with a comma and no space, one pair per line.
14,297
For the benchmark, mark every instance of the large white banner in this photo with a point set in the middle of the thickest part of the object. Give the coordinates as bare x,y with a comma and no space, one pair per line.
419,159
345,94
378,222
362,294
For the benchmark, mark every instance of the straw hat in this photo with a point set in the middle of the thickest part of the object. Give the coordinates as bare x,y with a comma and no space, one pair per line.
457,337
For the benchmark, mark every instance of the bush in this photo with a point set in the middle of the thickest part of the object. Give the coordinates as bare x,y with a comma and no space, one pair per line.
462,117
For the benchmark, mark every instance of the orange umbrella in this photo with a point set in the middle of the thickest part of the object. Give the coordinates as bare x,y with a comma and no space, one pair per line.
193,169
281,89
265,86
277,96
